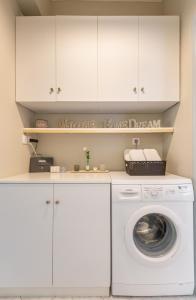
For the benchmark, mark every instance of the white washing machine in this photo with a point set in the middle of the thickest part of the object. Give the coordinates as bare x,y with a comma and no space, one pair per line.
152,235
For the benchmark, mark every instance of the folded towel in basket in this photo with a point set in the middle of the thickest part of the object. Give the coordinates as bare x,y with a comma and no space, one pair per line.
136,155
126,155
151,155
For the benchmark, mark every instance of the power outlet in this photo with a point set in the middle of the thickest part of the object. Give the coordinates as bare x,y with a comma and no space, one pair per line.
136,141
25,139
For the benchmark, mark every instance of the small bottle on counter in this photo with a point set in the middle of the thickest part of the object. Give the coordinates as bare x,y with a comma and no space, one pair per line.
76,168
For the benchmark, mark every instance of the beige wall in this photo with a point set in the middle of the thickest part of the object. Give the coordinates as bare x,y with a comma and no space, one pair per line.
13,155
179,148
107,149
44,7
35,7
71,7
194,101
68,149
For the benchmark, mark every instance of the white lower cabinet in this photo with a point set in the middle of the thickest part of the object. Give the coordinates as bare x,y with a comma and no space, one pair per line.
81,235
25,235
55,236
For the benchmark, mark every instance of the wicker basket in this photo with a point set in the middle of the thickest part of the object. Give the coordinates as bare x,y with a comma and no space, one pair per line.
142,168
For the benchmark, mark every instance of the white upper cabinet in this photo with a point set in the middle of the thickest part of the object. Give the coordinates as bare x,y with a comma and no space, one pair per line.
76,58
131,61
35,59
138,58
118,58
159,58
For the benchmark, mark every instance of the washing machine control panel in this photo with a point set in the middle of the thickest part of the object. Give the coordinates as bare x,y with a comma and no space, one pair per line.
184,188
153,192
167,192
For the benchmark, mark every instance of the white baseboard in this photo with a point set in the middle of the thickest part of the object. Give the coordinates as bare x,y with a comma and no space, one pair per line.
52,292
153,289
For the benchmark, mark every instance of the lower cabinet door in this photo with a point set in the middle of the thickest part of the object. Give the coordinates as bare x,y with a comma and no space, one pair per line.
81,235
26,212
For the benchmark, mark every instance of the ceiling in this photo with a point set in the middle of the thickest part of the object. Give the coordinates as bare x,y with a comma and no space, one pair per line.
43,7
109,0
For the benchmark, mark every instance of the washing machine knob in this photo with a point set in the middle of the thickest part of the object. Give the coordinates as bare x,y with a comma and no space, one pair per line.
154,194
172,191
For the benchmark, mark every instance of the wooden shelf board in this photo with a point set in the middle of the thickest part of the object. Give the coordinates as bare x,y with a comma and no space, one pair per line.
97,130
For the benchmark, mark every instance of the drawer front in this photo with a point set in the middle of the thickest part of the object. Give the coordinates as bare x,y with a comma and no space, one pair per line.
126,193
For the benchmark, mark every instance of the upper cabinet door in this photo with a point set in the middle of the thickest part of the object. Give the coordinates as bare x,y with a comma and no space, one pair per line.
76,42
159,58
35,59
118,58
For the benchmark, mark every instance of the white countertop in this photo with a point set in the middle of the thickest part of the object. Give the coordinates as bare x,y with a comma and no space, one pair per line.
112,177
124,178
59,178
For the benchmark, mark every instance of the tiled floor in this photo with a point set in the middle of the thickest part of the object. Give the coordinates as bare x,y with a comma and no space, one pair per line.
105,298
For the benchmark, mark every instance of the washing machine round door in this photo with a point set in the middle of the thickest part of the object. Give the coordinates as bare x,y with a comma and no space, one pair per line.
154,234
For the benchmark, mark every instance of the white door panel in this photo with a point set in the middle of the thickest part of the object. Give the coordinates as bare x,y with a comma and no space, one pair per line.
76,42
118,58
35,59
26,235
159,58
81,235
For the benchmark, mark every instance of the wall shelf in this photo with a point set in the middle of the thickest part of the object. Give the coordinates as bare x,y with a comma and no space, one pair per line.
97,130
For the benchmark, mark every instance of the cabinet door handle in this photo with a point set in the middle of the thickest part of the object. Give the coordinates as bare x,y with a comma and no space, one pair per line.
135,90
51,91
143,90
47,202
57,202
59,90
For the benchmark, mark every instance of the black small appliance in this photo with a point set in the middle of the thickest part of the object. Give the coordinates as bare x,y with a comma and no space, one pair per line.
40,164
